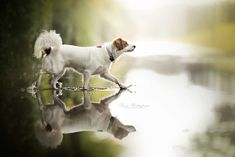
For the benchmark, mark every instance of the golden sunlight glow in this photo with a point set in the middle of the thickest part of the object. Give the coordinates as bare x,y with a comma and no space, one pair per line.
148,5
140,5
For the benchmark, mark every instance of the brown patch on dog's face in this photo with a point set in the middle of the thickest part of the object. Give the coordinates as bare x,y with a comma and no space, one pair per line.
120,44
98,46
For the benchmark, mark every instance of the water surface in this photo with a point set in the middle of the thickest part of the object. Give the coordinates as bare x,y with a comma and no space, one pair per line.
177,106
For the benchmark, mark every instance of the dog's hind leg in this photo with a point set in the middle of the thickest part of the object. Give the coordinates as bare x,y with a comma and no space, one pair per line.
38,83
55,79
87,100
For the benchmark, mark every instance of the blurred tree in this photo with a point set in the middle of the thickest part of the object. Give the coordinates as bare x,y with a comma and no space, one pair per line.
211,25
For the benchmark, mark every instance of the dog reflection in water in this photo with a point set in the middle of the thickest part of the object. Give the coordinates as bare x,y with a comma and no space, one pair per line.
56,120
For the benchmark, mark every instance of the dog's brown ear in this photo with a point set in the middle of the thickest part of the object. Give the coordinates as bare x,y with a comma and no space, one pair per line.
118,43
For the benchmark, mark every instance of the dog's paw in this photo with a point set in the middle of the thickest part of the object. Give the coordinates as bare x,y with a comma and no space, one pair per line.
59,92
123,87
59,84
84,88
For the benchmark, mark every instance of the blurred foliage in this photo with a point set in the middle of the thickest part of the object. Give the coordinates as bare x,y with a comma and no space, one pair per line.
212,25
86,22
221,36
219,138
225,66
98,149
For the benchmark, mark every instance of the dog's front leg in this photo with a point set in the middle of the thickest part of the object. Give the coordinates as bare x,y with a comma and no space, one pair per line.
86,79
106,101
110,77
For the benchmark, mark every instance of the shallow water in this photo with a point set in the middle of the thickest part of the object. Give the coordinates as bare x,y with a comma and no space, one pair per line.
176,107
179,107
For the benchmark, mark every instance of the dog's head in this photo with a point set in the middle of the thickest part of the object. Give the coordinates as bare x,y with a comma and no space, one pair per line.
121,45
120,130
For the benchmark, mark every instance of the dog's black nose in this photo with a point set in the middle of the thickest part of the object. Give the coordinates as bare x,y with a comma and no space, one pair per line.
134,46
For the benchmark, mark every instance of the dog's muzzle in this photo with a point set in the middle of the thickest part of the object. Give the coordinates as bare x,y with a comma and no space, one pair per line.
132,48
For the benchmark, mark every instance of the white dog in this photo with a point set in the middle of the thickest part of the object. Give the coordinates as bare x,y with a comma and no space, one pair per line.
57,57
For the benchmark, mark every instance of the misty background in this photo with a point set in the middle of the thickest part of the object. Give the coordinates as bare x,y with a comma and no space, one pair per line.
177,41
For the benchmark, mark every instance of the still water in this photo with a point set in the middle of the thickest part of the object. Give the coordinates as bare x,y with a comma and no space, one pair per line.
183,109
177,106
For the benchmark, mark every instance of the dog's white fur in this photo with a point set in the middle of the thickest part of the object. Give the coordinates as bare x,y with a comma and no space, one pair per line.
85,117
57,57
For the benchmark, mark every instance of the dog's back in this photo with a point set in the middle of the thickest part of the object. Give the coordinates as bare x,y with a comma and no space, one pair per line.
82,58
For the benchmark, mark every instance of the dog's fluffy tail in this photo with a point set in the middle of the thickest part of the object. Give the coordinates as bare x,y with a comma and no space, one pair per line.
46,43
